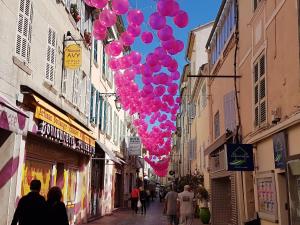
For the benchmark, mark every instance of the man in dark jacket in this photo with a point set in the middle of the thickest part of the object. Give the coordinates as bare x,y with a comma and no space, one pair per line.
31,207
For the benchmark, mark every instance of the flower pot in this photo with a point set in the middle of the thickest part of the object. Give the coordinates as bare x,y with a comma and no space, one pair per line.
204,215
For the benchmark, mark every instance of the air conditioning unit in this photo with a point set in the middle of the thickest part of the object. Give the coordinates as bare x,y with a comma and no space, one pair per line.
276,115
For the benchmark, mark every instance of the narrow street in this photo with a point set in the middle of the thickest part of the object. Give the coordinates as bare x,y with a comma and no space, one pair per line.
154,216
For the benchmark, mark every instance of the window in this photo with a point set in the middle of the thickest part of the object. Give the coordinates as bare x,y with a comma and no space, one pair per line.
229,111
24,31
217,125
93,105
68,79
105,110
95,51
104,62
109,120
255,4
115,124
101,106
203,96
51,56
76,84
260,107
83,93
223,31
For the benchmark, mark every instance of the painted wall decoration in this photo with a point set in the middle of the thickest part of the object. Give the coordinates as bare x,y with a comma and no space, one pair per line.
155,102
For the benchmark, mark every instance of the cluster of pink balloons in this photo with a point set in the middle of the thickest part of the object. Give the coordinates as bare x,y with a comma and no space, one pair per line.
156,103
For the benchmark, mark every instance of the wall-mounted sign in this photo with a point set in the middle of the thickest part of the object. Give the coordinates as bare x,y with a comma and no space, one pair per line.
239,157
55,134
72,56
134,147
280,150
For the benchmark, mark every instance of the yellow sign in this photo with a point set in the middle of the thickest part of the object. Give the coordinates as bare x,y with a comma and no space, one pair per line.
49,117
72,56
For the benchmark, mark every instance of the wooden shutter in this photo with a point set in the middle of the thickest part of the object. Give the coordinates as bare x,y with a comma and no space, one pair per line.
96,107
51,55
75,88
91,104
229,111
95,50
64,83
103,64
104,126
100,111
217,124
24,30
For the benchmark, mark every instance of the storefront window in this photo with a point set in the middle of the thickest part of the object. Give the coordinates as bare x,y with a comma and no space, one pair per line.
294,190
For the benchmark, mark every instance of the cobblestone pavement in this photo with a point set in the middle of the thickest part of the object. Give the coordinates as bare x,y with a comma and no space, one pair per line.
153,216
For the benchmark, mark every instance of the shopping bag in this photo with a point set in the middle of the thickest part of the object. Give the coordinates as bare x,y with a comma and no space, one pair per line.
139,204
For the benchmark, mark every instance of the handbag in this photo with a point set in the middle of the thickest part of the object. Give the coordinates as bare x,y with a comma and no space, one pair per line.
139,204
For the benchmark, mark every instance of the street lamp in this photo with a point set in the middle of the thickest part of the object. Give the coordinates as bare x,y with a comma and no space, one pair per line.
117,99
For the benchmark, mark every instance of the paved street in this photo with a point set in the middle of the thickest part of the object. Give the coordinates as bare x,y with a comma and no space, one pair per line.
154,216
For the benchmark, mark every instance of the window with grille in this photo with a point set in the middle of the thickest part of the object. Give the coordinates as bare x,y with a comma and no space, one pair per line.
217,125
260,107
203,96
24,31
51,56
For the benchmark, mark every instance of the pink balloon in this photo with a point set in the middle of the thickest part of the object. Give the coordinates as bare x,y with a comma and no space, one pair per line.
126,38
159,90
113,64
135,17
173,88
120,6
156,68
135,31
124,62
175,75
107,18
135,57
169,44
147,37
99,36
98,27
100,4
130,73
146,80
157,21
152,60
173,66
114,48
167,7
146,70
165,33
181,19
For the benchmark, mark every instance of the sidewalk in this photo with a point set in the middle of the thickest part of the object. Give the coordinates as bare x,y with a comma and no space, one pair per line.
154,216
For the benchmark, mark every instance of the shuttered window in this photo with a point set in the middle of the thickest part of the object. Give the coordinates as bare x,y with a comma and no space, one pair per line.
217,125
64,82
24,31
115,122
104,71
92,105
100,111
104,124
109,119
51,56
255,4
76,84
260,105
95,50
83,92
229,111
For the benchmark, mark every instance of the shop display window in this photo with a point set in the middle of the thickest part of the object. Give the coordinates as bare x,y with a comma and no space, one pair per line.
267,196
294,190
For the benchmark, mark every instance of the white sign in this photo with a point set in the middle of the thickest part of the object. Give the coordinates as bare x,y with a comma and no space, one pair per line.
134,147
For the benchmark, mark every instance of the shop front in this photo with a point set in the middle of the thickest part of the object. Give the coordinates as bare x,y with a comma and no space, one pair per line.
13,128
58,152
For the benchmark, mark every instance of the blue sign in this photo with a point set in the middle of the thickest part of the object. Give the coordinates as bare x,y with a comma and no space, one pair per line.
240,157
279,147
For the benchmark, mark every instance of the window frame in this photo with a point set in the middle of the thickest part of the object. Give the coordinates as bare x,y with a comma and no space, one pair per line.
49,62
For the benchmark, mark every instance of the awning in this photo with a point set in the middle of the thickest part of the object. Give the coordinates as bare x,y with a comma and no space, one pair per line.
50,114
110,153
12,118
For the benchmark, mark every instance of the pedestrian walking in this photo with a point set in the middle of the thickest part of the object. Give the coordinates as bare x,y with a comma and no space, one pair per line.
134,199
170,206
56,209
148,197
186,206
143,198
31,208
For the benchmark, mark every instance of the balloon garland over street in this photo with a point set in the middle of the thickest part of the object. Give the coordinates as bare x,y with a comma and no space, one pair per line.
156,102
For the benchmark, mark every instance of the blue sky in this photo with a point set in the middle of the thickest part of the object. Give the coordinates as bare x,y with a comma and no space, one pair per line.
200,12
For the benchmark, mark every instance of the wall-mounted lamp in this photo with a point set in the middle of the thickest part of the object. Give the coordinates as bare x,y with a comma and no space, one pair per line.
117,100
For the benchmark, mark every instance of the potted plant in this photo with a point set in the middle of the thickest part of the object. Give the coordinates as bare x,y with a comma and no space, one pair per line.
74,12
204,213
87,38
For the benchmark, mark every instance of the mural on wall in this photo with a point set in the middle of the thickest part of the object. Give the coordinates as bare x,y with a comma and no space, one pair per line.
36,170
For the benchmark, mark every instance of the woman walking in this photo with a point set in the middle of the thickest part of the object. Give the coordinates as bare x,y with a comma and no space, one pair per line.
143,198
56,209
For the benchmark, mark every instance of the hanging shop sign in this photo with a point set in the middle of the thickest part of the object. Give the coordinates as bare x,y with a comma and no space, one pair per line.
240,157
56,129
134,146
280,150
72,56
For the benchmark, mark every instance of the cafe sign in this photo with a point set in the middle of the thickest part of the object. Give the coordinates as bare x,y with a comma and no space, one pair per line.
72,56
134,147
